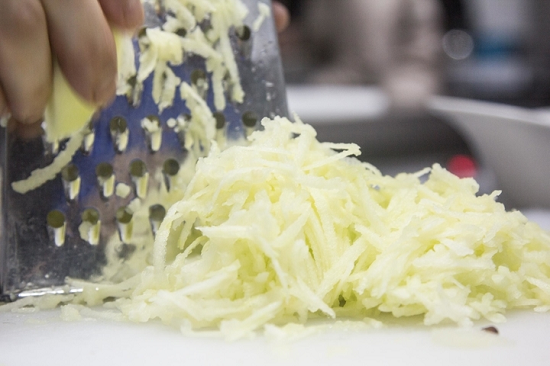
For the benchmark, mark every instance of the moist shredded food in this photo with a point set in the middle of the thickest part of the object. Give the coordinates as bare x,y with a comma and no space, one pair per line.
288,228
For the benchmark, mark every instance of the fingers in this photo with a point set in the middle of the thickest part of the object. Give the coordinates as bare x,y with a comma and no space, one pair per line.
25,59
281,15
83,43
123,13
25,131
28,131
79,36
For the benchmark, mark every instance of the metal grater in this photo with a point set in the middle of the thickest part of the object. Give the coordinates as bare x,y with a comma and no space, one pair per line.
40,242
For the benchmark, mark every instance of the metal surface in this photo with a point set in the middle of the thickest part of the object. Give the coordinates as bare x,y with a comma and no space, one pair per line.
33,258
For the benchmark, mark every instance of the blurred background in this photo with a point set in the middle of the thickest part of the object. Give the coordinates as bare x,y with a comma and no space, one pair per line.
364,71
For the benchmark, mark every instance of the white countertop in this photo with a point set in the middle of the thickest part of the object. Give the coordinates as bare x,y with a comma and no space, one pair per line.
333,103
43,339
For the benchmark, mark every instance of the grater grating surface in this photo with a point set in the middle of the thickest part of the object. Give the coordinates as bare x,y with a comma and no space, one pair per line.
67,226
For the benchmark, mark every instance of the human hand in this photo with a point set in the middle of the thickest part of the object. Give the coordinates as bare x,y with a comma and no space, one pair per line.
281,16
79,37
76,33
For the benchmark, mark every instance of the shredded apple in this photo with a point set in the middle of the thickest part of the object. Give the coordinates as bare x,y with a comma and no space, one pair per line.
288,228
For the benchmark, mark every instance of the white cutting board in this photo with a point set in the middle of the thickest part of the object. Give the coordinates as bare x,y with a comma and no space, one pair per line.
44,339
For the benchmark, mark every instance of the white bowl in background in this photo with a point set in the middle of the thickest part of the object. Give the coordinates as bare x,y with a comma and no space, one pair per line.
362,115
513,142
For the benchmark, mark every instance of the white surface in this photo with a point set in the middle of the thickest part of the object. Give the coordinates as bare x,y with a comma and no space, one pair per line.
43,339
538,215
514,142
330,104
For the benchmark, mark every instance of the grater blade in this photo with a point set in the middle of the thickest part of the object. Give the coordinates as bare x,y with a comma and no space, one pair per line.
72,225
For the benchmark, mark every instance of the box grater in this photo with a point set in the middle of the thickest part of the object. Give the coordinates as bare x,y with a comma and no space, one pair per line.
125,146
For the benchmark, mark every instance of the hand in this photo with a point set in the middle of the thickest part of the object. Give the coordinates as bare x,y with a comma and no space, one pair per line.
281,15
76,33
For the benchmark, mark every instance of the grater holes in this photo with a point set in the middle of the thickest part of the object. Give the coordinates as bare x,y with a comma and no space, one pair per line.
220,120
124,215
227,83
104,170
250,120
71,181
140,177
182,32
90,215
89,139
55,219
244,33
138,169
90,227
134,92
153,132
198,76
180,125
70,173
171,167
170,170
56,226
124,218
119,133
244,37
199,82
157,212
106,179
221,130
156,215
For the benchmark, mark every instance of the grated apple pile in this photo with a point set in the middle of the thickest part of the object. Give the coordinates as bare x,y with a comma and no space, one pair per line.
289,228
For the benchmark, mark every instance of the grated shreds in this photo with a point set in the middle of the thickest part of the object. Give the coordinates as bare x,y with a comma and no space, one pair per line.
287,229
40,176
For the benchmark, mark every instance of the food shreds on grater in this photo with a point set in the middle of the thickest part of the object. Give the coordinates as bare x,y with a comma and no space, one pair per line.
200,75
